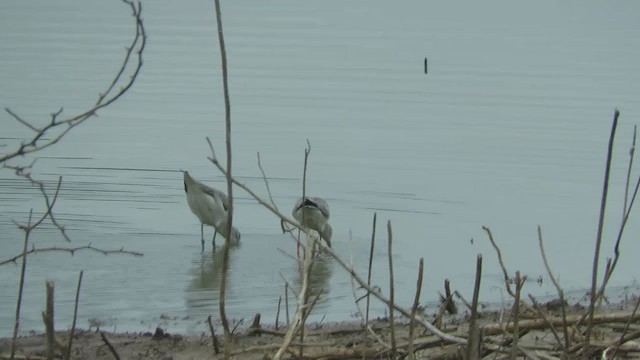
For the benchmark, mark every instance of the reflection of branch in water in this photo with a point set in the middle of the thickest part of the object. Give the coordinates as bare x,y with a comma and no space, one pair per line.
206,273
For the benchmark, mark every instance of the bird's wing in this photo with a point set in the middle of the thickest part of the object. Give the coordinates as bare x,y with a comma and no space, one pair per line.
217,195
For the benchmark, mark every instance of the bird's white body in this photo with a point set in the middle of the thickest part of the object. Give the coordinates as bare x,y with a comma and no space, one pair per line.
313,212
210,206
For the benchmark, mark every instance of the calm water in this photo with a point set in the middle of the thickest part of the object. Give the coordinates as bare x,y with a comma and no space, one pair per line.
508,129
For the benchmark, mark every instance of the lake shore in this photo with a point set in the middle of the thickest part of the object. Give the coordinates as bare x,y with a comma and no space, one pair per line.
347,340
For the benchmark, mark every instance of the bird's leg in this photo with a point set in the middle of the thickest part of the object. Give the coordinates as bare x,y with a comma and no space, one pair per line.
213,242
202,236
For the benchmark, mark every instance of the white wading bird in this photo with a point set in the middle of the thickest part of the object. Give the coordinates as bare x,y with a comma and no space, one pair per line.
313,212
210,206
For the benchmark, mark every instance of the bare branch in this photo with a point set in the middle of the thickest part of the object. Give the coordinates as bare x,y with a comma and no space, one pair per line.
37,142
72,251
567,340
507,280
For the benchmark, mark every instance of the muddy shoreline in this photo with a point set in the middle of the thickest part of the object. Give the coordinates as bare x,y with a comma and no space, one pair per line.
346,340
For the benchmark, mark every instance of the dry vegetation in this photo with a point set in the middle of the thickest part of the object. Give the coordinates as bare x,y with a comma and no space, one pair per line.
527,329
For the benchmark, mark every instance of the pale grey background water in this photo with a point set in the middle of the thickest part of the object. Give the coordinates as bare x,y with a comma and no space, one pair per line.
508,129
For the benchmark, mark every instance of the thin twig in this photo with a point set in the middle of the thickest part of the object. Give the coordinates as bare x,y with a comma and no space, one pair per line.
307,151
235,326
75,315
391,290
286,301
214,339
609,271
365,323
23,271
278,313
516,317
227,111
303,296
596,254
507,280
49,202
266,182
111,348
71,251
414,308
567,340
632,151
373,241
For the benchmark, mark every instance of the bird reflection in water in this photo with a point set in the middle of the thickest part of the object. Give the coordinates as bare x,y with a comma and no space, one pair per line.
321,271
207,275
